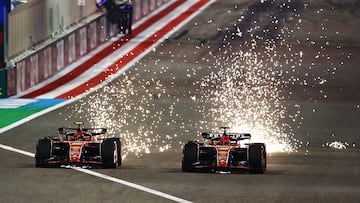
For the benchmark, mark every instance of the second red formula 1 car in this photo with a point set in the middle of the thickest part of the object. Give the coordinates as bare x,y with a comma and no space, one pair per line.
224,152
80,147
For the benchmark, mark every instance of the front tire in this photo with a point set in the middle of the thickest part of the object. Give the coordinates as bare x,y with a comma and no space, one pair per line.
257,158
43,152
109,153
190,156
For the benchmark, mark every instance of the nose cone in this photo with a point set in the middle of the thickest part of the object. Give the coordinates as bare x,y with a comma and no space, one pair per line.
222,158
222,163
75,159
75,152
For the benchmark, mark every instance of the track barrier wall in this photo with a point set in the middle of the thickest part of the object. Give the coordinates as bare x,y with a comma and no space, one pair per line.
46,61
3,84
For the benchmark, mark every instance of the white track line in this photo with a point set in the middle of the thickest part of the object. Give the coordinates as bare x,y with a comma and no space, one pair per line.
106,177
132,185
8,148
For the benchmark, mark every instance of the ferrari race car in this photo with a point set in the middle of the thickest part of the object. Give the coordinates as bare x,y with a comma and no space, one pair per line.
80,147
224,152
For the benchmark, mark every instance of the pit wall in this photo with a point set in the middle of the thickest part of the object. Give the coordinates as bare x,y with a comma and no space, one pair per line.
42,63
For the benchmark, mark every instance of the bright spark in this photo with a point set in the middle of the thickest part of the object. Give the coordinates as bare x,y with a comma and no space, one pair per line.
244,93
150,112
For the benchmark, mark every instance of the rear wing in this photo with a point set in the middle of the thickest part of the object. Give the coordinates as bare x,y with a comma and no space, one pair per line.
94,131
236,136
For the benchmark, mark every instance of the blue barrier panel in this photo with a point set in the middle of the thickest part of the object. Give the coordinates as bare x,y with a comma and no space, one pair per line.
4,11
100,3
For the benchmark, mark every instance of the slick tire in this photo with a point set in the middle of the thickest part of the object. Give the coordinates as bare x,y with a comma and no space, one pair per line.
109,153
190,156
257,158
118,145
43,152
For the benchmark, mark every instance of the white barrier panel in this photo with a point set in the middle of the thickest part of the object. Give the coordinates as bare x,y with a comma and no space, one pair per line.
47,62
112,29
145,7
34,70
137,10
83,42
159,2
71,48
152,5
103,30
93,35
11,84
60,55
20,76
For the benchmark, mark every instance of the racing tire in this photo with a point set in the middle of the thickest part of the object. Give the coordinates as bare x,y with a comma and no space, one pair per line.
257,158
190,156
118,144
43,152
109,153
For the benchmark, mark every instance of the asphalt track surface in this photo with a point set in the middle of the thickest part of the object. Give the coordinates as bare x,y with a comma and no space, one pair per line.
315,173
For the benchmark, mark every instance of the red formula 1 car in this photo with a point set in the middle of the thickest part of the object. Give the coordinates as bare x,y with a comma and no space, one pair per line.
224,152
80,147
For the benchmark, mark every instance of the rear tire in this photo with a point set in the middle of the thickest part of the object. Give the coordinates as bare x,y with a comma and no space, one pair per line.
43,152
190,156
257,158
109,153
118,144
